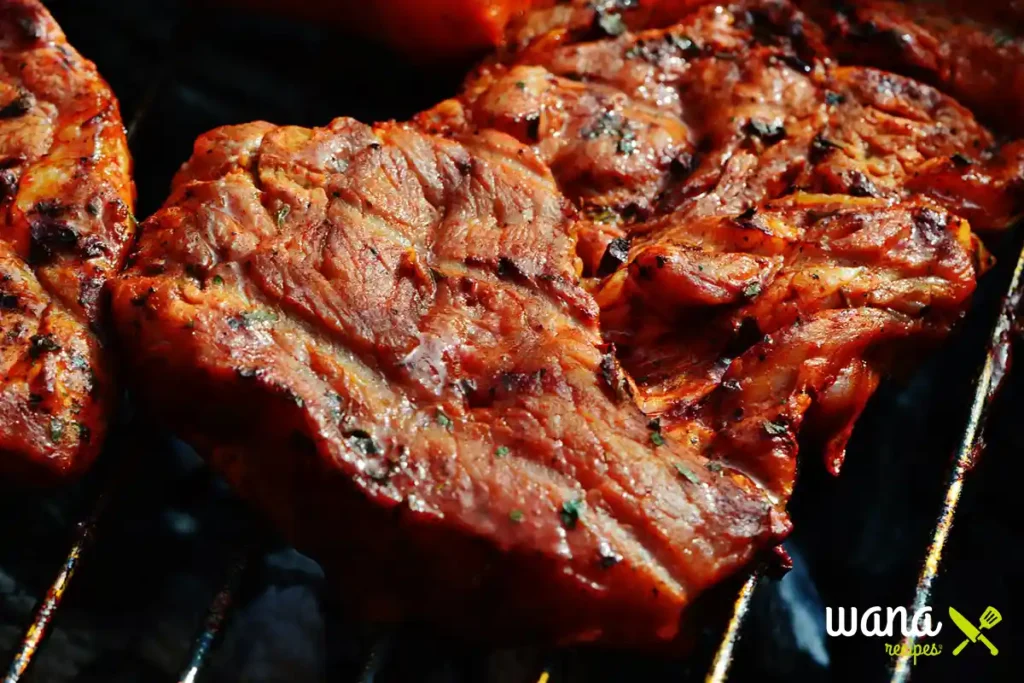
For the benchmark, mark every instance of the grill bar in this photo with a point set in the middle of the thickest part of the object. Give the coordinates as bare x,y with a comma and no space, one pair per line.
377,657
990,379
214,622
719,672
43,617
86,529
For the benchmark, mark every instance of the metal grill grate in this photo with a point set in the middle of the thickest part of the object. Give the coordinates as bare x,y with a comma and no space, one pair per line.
382,652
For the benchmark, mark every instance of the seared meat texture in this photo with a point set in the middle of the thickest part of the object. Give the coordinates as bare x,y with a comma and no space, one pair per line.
65,196
972,49
407,342
741,188
377,334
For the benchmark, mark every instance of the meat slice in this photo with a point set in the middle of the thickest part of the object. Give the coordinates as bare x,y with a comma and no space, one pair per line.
727,164
745,97
972,49
378,335
536,364
66,197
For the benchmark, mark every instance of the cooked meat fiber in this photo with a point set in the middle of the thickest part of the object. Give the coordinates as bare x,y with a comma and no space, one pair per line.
65,196
387,337
378,335
973,49
739,189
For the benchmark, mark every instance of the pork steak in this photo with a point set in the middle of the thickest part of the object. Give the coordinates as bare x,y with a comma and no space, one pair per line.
535,363
65,222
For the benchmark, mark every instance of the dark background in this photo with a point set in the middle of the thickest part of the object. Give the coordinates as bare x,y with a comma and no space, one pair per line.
173,530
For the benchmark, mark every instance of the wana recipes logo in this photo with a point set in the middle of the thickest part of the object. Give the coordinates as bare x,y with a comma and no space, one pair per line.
896,621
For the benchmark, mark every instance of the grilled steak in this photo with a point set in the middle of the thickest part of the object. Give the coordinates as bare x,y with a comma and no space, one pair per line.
535,363
377,334
726,170
969,48
66,197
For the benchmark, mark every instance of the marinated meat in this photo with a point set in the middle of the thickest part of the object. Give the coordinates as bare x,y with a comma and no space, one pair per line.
972,49
66,219
535,364
726,165
377,334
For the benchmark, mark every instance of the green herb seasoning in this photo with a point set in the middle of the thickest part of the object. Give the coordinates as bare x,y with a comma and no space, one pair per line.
627,142
258,316
516,516
282,214
778,428
56,430
655,426
443,420
685,471
1001,37
683,43
605,215
501,451
570,513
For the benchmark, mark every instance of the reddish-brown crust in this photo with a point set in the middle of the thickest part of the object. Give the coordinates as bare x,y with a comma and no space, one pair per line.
65,221
377,334
713,151
972,49
387,337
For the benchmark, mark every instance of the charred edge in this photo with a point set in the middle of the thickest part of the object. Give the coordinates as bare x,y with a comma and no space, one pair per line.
821,148
49,234
612,376
615,255
859,185
19,106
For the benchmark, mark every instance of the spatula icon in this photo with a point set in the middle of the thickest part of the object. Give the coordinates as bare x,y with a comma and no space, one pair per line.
989,618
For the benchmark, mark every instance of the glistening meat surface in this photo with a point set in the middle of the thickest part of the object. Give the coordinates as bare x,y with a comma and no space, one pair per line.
378,335
972,49
737,185
388,337
65,222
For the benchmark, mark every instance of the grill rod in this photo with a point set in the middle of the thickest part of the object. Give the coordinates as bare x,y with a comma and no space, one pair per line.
990,379
719,672
993,373
43,617
86,529
214,622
